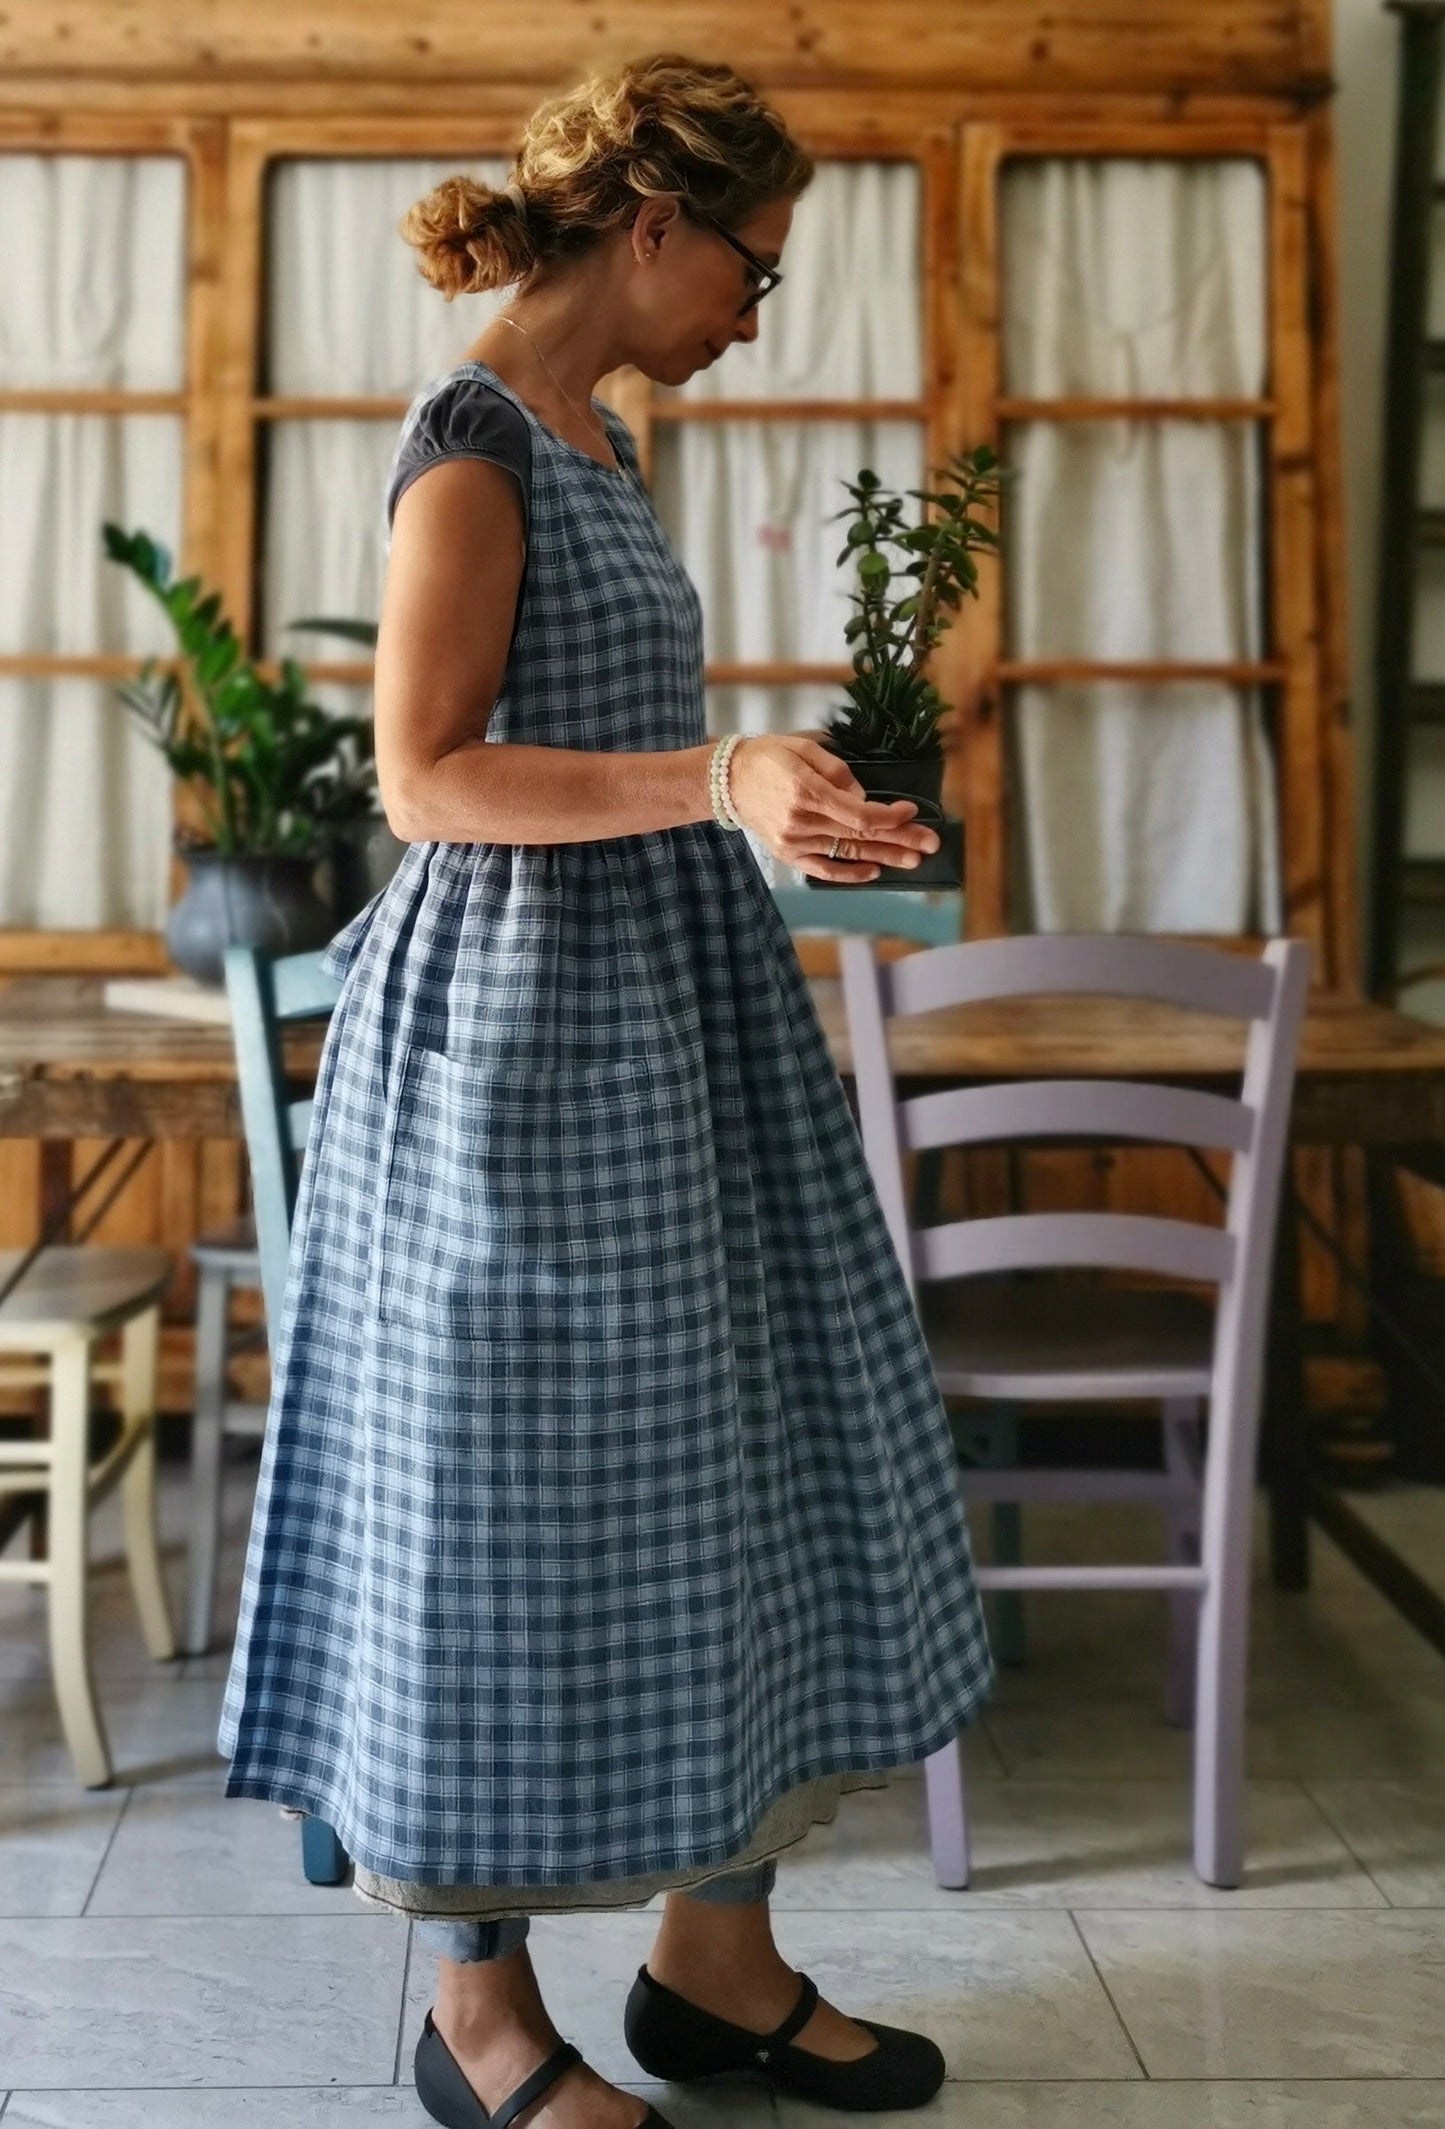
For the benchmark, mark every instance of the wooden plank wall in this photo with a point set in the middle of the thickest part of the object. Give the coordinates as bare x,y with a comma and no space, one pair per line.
1080,48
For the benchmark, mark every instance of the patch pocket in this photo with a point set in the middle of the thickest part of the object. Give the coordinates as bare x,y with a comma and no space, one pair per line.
515,1203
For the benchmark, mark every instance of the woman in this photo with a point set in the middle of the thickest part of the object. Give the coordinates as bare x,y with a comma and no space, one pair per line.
607,1526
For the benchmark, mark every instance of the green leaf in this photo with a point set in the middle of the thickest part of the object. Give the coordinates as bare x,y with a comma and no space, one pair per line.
350,631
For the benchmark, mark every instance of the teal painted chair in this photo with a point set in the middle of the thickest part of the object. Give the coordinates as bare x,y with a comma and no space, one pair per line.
926,919
265,994
988,1439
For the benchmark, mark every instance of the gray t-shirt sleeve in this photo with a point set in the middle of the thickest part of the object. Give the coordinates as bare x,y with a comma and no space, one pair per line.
465,418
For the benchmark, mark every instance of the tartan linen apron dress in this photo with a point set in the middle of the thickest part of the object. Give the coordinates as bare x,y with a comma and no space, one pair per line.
606,1495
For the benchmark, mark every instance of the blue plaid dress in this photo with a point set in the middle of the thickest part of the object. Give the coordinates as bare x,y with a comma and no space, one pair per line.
606,1490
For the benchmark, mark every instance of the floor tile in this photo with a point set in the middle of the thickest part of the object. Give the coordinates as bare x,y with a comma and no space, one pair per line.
215,1664
1322,1995
144,1983
325,2107
721,2107
116,1648
125,2001
1407,1517
181,1850
1125,1737
258,2107
1067,1844
161,1729
1004,1995
52,1844
1397,1829
1159,2106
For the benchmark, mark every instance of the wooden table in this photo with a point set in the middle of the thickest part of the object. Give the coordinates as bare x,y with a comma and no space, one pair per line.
1367,1077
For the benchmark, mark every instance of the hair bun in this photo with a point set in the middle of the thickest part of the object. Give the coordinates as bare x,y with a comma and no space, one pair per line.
463,243
652,127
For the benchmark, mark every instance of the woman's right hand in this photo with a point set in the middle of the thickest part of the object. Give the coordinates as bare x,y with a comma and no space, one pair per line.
796,795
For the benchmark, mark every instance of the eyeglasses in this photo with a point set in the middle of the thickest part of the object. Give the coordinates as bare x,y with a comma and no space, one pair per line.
768,276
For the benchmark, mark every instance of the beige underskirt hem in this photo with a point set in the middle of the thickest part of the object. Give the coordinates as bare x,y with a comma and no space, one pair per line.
785,1822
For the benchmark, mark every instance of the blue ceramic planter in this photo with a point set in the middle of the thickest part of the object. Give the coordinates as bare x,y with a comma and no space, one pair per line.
269,902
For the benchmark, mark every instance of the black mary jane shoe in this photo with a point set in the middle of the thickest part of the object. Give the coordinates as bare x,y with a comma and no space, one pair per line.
443,2089
674,2040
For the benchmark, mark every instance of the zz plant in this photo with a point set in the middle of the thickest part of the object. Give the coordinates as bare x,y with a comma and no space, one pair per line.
275,774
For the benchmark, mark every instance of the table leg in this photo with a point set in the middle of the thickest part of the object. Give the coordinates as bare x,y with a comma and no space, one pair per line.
1286,1416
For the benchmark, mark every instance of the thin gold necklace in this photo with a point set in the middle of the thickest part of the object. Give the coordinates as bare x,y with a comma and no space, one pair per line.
590,417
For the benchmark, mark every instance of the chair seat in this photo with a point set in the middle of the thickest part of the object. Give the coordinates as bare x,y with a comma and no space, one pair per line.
1052,1338
230,1246
79,1287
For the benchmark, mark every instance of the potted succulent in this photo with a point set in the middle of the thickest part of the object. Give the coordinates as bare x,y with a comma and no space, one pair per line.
278,778
888,735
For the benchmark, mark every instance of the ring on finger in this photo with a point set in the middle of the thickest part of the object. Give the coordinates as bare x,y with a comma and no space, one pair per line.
833,846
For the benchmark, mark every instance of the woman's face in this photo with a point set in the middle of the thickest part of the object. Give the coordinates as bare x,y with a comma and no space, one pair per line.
689,297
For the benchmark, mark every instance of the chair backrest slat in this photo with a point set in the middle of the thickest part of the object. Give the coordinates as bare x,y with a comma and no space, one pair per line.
300,986
882,912
1049,1241
264,994
1202,979
1105,1108
1267,993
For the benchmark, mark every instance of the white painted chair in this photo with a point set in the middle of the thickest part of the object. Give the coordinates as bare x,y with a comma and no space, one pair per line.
1019,1331
64,1304
225,1257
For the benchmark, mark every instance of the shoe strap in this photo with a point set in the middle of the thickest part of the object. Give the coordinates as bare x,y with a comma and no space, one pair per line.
799,2015
545,2074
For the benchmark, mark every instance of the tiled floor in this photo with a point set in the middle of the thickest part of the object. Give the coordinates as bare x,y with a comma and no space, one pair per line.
164,1964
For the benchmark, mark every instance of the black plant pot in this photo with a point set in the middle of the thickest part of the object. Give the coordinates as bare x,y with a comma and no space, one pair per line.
270,902
364,855
887,776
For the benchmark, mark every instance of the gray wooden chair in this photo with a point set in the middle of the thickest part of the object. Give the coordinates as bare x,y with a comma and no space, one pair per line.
264,994
225,1258
1026,1327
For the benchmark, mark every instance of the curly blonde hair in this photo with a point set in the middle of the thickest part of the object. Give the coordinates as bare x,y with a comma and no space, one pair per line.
588,158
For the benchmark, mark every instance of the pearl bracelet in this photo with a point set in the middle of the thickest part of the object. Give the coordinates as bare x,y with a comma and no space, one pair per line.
719,785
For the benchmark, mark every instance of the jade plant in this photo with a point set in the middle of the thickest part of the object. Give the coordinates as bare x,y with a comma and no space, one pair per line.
274,773
894,708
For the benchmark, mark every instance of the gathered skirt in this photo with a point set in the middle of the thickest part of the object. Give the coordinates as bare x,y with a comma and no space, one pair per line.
607,1496
786,1822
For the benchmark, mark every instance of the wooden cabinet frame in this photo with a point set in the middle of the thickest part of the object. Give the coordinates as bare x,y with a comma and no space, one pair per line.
961,144
232,87
980,673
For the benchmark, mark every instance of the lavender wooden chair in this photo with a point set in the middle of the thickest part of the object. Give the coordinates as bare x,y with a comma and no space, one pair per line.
1026,1326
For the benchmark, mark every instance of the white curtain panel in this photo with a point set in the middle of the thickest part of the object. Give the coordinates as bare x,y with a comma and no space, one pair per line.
1137,808
92,282
845,322
751,506
348,313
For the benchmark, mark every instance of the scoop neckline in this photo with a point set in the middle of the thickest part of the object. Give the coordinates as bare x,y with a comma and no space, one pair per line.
617,469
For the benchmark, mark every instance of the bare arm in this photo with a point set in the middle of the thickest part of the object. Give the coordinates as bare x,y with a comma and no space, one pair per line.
452,582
